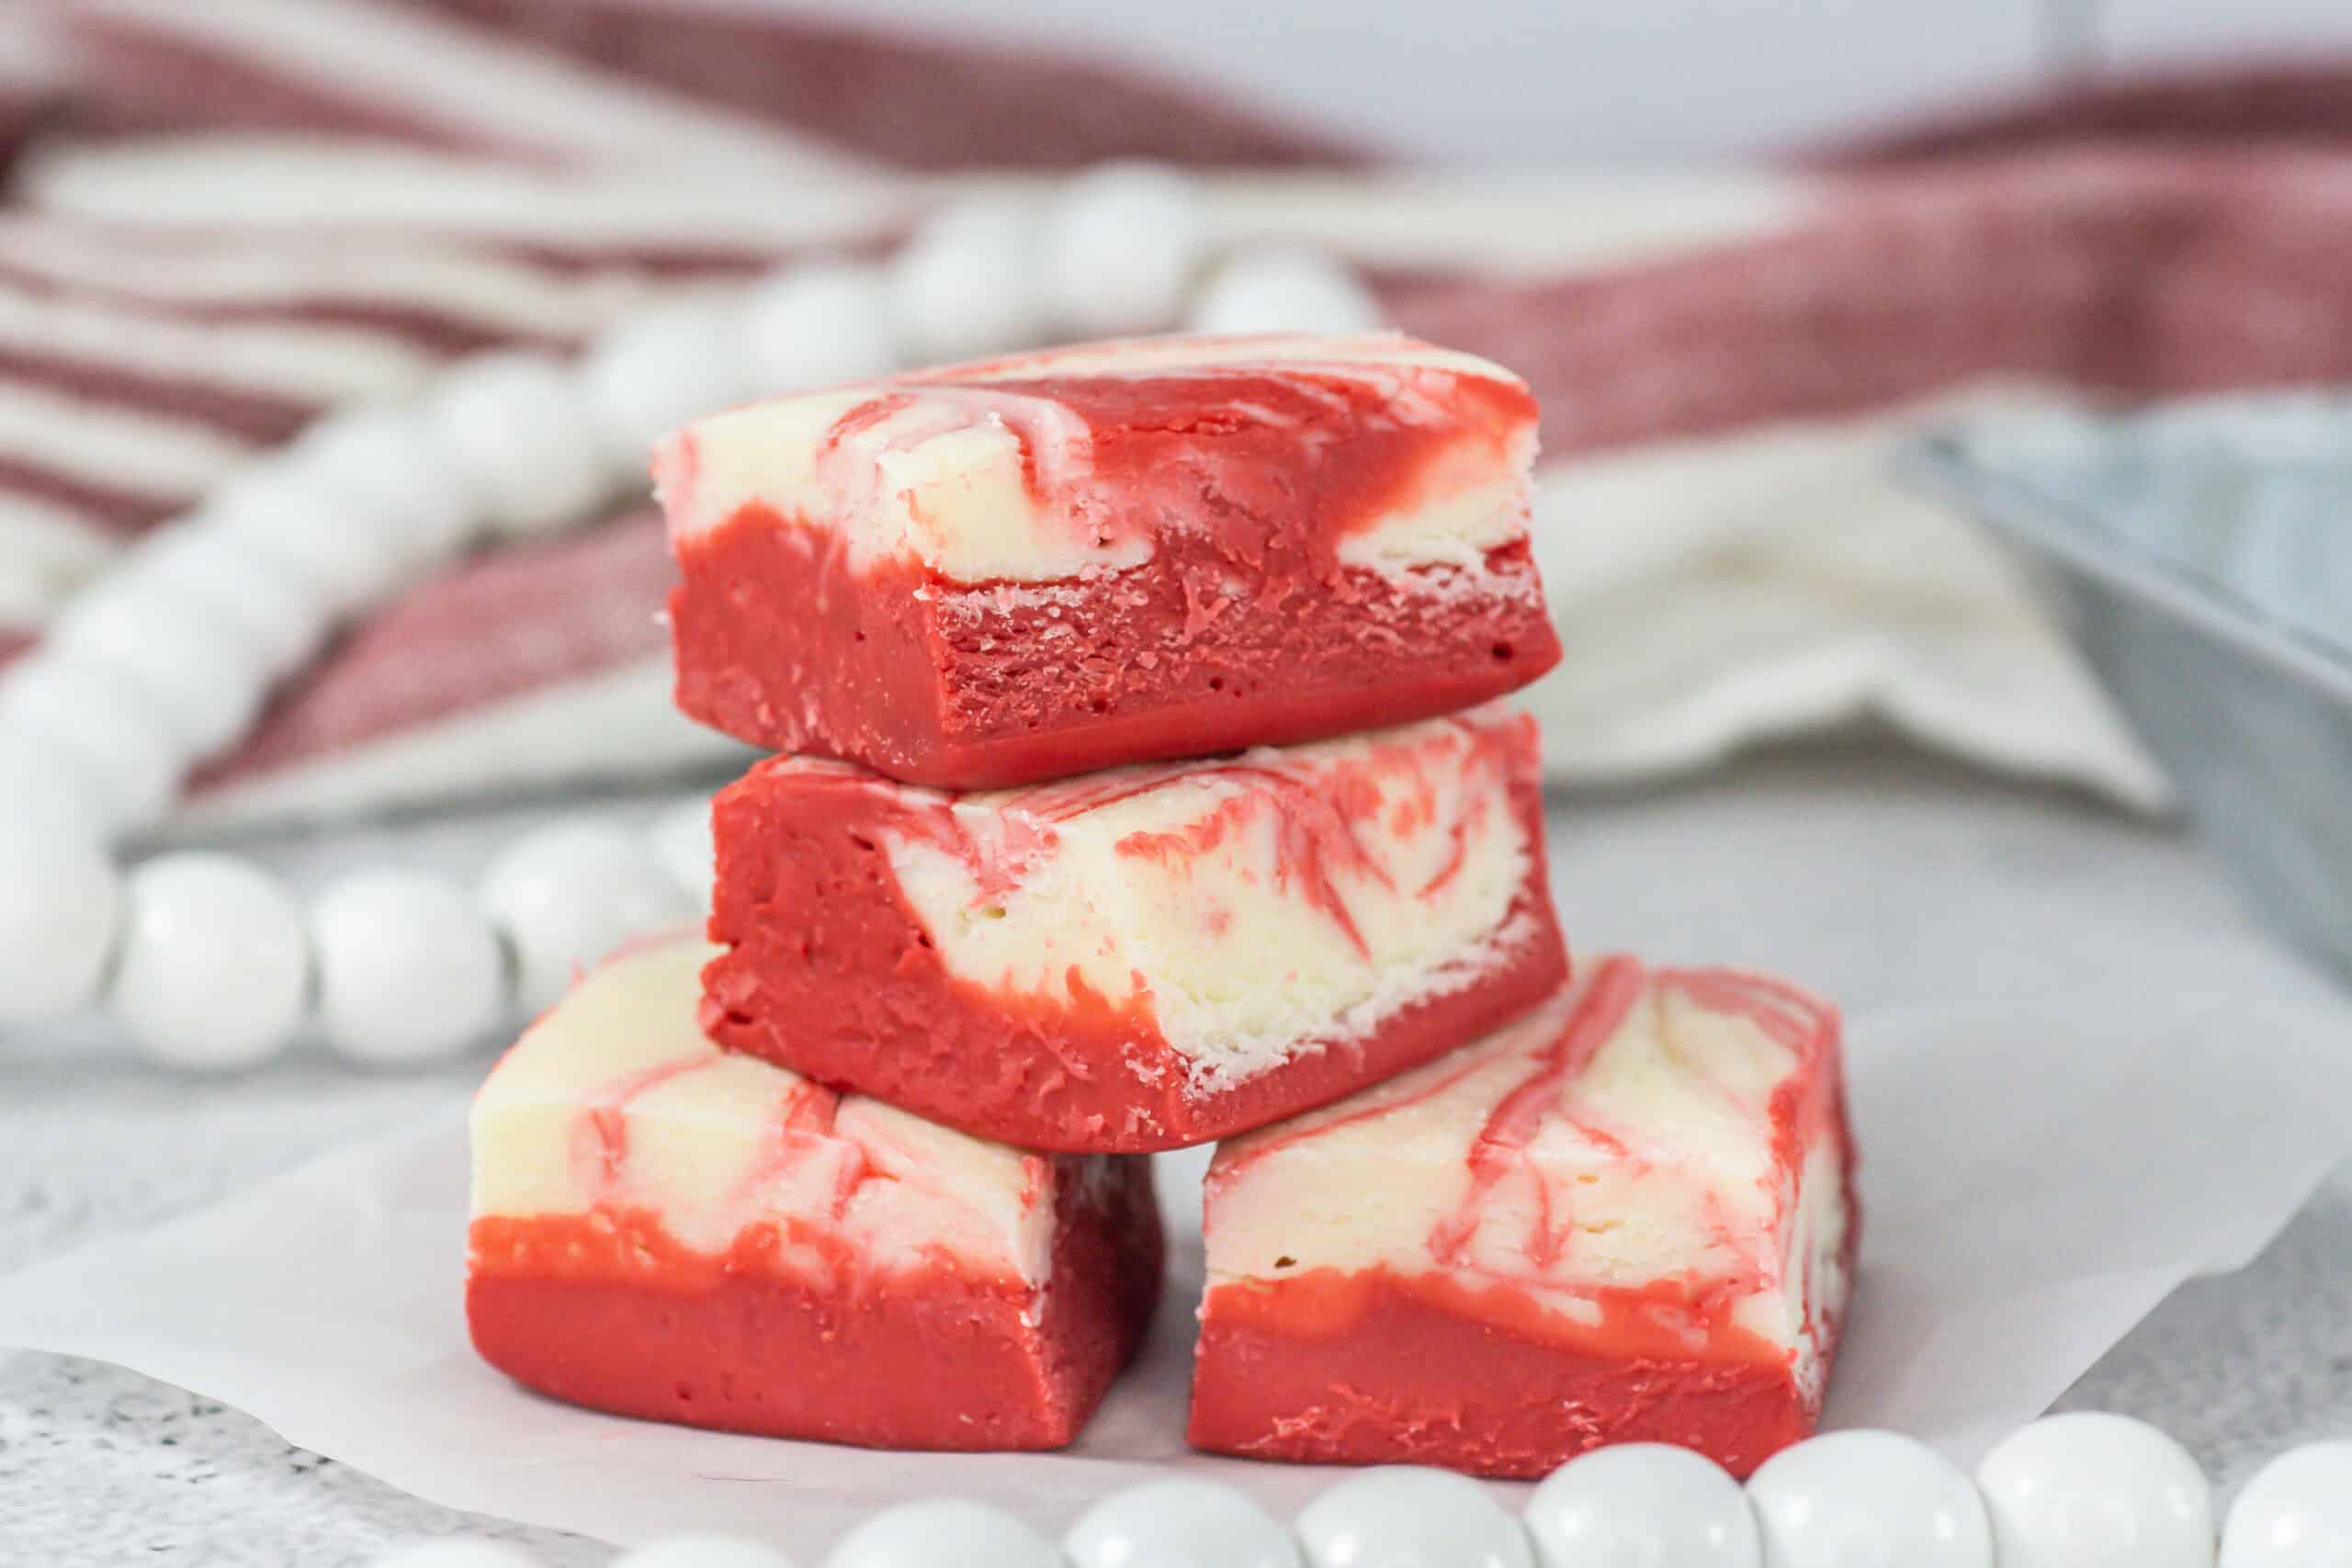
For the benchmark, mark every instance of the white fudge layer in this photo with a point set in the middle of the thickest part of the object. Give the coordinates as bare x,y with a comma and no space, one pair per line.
1641,1128
950,471
615,1101
1248,908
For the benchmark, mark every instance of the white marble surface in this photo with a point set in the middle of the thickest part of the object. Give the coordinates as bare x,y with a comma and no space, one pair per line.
1867,875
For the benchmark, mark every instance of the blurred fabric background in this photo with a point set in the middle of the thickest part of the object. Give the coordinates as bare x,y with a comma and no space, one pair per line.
1733,288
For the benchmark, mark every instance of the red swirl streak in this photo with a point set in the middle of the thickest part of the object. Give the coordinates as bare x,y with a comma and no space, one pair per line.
1500,1148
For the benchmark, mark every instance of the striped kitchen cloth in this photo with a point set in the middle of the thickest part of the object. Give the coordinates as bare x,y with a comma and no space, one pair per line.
222,220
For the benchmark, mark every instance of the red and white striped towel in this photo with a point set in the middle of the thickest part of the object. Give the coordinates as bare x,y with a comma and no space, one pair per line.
222,220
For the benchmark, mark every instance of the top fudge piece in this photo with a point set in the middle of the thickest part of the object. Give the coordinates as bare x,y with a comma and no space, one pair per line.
997,573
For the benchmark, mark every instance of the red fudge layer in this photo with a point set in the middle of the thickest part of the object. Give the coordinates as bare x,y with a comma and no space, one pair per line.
1381,1369
606,1312
976,688
831,970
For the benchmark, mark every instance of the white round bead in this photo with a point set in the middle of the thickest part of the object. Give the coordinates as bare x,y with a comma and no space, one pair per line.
340,555
655,371
519,429
387,464
59,901
1179,1523
2295,1512
1867,1499
1122,245
941,1530
109,736
192,666
680,837
2087,1490
703,1551
409,970
278,617
568,894
43,787
457,1551
1401,1516
1283,291
818,326
1642,1506
215,966
967,284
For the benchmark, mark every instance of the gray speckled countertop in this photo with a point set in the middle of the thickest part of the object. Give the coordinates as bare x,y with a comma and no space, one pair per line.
102,1466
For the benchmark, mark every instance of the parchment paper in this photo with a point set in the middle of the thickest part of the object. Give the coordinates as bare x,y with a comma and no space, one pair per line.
2081,1074
2036,1179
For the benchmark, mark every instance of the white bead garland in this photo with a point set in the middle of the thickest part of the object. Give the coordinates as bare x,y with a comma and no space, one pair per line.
569,893
966,284
1643,1504
1121,245
386,468
214,966
40,788
275,616
110,739
2088,1490
1283,291
1179,1523
410,972
656,370
343,559
202,679
59,899
2295,1512
1867,1499
1408,1517
943,1530
821,325
518,427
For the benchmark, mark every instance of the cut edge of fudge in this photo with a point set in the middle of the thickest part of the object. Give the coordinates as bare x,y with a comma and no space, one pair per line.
1139,959
664,1230
1626,1217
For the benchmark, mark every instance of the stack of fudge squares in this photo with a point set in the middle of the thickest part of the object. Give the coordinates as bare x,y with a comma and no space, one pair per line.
1143,783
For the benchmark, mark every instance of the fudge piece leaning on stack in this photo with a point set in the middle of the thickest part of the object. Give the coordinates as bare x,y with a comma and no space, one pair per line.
1147,789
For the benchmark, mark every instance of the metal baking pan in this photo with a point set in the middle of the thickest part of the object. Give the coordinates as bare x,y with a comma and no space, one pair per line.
2203,553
